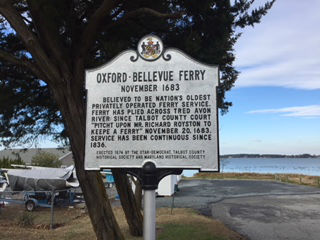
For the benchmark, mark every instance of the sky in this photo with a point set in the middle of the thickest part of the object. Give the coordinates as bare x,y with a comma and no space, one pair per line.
276,99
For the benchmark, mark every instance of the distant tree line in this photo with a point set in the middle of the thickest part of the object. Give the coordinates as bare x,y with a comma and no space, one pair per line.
41,159
46,159
247,155
6,162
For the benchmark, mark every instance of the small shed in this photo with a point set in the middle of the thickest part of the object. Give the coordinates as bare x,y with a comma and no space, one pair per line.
168,185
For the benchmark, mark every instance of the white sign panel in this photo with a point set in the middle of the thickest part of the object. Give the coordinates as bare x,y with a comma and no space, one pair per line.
152,105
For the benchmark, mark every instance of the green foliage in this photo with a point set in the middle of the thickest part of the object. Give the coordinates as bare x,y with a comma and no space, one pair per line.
207,30
45,159
6,162
26,106
182,232
26,219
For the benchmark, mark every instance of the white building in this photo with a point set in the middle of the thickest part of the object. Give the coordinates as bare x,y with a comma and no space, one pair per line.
168,185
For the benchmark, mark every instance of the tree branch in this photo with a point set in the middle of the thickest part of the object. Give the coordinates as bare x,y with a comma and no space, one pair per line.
145,11
154,13
30,40
90,32
49,36
88,36
21,62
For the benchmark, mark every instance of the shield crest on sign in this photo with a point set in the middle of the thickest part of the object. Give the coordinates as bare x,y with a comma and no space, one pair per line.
150,48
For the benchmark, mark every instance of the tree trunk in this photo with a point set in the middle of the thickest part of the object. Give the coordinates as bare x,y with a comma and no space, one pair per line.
128,201
99,207
138,194
137,191
98,204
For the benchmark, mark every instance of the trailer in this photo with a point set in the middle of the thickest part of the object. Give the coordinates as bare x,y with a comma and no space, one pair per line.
34,199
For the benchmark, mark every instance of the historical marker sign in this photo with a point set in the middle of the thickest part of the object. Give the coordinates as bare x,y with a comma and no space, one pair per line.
152,104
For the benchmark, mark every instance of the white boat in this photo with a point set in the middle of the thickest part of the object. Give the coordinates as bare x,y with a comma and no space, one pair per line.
3,181
42,179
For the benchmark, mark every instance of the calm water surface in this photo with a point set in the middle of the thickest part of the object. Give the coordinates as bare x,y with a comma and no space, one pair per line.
306,166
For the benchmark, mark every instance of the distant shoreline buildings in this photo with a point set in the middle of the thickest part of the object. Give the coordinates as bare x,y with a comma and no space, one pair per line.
248,155
65,155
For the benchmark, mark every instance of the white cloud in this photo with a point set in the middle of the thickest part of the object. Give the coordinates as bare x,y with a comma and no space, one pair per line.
310,111
284,49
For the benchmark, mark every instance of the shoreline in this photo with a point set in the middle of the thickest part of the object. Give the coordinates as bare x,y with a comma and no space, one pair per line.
299,179
247,155
268,157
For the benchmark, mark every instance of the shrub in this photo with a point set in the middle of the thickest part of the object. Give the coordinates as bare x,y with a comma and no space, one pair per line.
6,162
26,219
45,159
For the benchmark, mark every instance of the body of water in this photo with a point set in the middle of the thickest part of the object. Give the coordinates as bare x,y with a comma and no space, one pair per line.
305,166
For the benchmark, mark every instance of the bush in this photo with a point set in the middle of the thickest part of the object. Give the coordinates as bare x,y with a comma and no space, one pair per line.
26,219
6,162
45,159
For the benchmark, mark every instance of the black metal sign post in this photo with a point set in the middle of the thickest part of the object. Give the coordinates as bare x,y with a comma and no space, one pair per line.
149,177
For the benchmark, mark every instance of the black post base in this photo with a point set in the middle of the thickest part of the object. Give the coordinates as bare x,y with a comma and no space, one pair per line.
150,176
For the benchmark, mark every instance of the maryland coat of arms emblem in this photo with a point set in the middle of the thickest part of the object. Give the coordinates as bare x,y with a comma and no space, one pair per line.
150,48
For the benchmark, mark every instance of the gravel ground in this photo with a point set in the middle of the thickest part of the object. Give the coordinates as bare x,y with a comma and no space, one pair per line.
260,210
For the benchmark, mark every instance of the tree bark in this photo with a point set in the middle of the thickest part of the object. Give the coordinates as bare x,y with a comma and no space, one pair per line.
128,201
138,194
99,207
137,191
98,204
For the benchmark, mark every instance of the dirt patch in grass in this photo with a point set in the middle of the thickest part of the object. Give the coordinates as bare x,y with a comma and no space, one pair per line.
74,224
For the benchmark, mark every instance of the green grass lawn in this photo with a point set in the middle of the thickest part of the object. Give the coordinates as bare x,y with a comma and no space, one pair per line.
177,231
